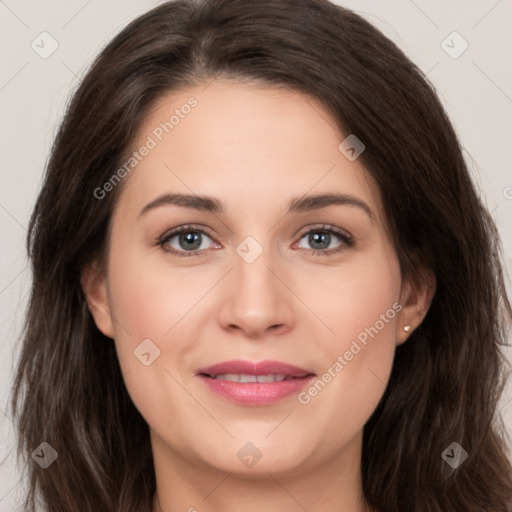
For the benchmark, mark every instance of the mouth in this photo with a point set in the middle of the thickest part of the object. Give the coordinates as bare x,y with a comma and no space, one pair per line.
247,377
255,383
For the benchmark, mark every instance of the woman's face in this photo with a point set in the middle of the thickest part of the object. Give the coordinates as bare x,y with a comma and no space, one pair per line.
267,273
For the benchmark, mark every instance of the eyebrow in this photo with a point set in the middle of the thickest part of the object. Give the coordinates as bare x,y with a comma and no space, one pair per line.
300,204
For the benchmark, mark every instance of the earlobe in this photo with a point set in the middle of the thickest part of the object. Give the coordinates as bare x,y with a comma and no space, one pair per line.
94,286
416,297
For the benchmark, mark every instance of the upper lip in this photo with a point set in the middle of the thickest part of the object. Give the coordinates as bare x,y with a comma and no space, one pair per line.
254,368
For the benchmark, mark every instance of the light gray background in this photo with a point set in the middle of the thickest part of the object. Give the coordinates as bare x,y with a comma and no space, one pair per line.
476,89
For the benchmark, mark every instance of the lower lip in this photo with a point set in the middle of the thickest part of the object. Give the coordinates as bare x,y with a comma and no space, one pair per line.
256,393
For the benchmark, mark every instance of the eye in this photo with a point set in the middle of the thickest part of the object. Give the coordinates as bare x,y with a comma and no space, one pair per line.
193,241
320,240
186,241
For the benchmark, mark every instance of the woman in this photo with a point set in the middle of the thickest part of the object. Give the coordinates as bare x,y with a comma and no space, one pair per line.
263,279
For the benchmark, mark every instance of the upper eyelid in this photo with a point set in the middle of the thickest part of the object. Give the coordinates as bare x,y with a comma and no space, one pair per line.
171,233
325,227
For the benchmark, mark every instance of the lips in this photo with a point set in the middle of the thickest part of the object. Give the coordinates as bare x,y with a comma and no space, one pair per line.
255,383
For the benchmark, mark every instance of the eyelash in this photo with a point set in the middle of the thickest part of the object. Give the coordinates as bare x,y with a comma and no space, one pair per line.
346,239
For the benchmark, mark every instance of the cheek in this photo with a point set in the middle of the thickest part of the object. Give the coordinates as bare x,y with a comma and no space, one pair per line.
150,314
355,297
149,300
156,303
361,309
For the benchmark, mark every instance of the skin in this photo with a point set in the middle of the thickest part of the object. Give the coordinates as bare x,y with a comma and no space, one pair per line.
254,149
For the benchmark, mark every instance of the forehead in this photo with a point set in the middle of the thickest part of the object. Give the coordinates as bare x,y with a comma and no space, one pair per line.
246,144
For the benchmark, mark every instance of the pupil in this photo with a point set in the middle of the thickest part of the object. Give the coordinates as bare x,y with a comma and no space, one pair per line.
190,241
322,239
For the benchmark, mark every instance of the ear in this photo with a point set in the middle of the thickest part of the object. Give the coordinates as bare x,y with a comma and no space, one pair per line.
94,286
415,298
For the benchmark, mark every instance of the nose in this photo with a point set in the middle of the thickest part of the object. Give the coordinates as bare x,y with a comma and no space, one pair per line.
256,300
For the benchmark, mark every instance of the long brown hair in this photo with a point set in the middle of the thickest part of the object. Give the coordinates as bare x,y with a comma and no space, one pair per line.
446,379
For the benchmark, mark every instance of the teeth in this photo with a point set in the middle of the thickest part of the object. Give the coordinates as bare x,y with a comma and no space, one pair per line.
242,377
271,378
247,378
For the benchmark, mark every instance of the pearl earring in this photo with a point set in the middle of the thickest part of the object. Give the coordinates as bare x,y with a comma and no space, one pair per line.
407,328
